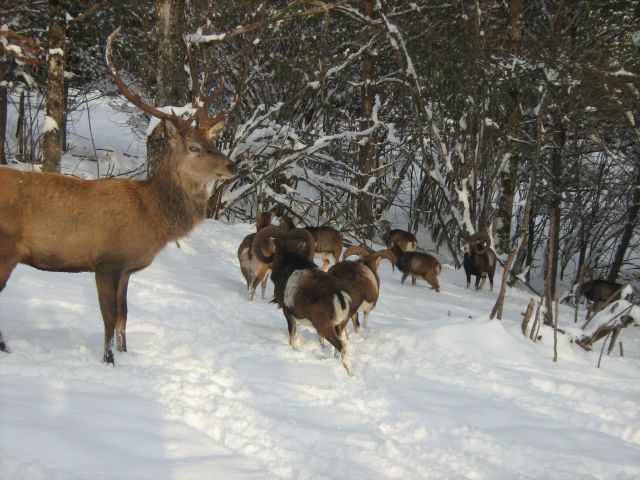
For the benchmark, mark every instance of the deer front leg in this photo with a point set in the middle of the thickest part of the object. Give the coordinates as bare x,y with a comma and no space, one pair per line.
107,284
121,322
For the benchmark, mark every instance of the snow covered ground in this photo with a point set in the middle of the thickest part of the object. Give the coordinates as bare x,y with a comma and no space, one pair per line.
211,389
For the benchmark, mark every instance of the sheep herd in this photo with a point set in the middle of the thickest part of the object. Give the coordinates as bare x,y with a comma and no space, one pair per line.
327,298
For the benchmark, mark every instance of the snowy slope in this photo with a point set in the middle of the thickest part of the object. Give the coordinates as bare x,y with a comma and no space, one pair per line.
211,389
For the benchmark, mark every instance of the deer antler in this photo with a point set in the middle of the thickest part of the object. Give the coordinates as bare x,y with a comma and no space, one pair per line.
134,97
202,106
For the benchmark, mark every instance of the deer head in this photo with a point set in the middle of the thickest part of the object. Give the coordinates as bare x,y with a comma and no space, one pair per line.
192,148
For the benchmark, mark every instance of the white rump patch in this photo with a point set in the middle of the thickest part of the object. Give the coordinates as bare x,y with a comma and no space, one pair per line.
342,314
293,284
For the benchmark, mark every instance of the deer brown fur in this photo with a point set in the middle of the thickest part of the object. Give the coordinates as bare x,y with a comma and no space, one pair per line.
113,227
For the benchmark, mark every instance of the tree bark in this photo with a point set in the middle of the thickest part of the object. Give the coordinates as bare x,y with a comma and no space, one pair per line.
171,79
52,138
559,137
627,233
367,149
508,175
3,123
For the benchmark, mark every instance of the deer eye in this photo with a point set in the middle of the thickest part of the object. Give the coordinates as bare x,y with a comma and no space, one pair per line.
195,149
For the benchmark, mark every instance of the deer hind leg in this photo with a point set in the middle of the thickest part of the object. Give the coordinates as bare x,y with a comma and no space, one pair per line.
121,321
8,261
107,283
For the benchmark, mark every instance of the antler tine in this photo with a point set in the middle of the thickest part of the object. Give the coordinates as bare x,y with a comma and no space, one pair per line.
195,83
202,105
213,95
134,97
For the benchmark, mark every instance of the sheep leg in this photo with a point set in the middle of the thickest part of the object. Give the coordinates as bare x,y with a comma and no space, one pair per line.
413,280
478,277
291,325
263,285
404,277
491,281
356,322
433,281
333,335
366,318
483,280
254,284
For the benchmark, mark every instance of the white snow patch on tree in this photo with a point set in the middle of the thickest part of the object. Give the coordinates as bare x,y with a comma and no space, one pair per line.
50,124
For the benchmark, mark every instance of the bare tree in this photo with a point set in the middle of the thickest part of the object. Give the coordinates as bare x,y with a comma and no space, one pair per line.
171,80
54,121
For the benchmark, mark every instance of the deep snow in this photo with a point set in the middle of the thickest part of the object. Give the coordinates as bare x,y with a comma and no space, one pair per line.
211,389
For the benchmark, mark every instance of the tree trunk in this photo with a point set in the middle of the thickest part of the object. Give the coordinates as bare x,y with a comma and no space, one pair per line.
627,233
559,137
525,249
508,175
367,149
3,123
171,78
52,138
22,149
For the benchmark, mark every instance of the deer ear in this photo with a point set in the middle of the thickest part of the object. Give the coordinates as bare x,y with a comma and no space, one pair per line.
171,129
214,130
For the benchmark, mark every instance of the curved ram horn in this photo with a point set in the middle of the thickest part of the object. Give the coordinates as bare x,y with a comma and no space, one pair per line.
304,236
262,240
388,255
355,250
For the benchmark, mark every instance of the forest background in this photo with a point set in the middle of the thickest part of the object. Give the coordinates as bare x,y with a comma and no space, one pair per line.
518,118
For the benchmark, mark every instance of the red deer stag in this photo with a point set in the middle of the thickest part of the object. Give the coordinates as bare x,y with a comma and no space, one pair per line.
113,227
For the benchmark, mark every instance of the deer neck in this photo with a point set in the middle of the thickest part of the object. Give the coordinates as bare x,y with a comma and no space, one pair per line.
181,202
